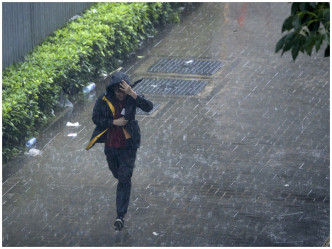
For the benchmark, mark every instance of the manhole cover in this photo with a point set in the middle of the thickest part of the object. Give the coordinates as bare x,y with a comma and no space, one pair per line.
201,67
140,112
170,87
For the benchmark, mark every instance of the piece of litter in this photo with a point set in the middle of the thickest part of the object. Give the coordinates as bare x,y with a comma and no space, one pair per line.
155,234
187,63
90,87
123,112
33,152
104,75
31,142
74,17
286,185
72,124
72,135
140,56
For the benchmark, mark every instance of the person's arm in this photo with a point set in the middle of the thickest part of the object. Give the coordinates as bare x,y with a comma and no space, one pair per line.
120,121
100,119
126,88
144,104
141,102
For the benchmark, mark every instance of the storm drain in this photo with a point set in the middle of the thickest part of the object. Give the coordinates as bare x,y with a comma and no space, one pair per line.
170,86
180,66
155,107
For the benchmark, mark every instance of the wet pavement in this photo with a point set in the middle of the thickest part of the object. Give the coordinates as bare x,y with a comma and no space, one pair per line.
245,162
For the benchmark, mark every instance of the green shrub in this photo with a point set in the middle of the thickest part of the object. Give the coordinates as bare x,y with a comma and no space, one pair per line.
69,58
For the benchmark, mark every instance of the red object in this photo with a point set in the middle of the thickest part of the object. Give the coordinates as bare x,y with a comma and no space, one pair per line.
115,135
241,18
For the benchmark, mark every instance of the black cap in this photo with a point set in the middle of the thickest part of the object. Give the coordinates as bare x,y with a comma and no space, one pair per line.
117,78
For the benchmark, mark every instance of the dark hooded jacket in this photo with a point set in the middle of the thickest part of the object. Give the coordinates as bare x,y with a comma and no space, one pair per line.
102,115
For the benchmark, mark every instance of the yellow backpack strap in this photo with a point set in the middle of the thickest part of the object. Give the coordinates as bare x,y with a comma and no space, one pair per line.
126,133
110,105
93,141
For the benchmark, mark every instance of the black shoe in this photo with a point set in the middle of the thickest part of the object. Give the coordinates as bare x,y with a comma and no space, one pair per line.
118,224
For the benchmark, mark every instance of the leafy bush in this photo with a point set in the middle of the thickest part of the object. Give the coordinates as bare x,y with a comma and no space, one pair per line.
69,58
308,26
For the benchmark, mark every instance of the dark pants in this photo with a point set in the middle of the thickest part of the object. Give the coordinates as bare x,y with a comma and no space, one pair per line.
121,163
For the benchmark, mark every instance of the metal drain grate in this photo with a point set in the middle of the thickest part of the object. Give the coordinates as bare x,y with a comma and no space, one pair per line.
201,67
140,112
170,87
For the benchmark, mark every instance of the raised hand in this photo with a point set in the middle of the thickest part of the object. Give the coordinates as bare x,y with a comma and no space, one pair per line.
126,88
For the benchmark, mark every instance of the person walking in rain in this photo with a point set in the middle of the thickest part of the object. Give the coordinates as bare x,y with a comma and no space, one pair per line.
114,117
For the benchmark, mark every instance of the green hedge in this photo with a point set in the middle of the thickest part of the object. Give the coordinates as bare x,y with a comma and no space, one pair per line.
69,58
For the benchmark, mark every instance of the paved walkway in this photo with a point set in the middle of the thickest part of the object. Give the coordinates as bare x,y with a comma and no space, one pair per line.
243,163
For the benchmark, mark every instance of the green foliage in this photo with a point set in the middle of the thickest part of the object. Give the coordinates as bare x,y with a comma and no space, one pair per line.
308,26
69,58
